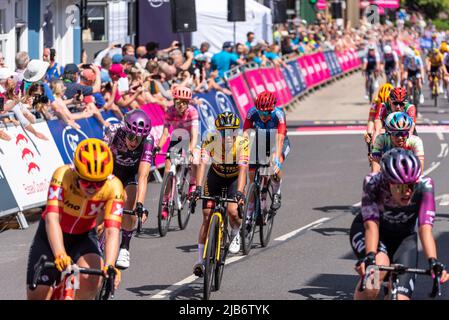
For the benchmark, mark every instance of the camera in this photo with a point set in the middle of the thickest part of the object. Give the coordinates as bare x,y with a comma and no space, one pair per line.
40,99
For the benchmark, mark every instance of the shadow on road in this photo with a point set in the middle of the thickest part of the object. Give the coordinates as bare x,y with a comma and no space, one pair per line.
193,291
338,209
189,248
329,287
148,290
329,232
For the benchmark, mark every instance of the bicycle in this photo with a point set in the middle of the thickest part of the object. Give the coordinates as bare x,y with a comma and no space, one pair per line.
174,194
260,199
414,94
69,283
389,75
435,82
217,242
394,271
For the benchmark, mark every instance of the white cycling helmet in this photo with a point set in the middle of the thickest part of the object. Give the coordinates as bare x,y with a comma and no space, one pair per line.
387,49
409,53
371,47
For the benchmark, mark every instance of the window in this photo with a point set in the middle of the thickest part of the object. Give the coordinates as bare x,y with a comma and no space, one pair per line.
96,22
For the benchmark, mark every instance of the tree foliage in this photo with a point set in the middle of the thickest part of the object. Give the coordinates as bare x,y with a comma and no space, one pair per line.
431,8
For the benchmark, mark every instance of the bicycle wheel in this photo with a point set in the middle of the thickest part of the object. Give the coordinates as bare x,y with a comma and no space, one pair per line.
183,190
165,200
267,214
139,224
249,220
210,260
435,92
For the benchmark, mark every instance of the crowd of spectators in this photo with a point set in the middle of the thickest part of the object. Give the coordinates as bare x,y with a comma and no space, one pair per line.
122,78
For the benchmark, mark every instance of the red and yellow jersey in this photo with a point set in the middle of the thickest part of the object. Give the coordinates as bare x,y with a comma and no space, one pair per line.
374,109
79,213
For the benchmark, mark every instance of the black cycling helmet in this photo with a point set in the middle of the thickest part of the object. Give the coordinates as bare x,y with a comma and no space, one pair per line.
227,120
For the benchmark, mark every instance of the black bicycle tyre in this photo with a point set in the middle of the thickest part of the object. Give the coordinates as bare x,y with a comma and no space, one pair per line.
247,237
139,225
266,226
164,224
184,212
370,89
210,262
435,92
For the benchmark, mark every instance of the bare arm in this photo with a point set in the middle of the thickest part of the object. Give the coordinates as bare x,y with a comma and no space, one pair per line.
54,233
371,236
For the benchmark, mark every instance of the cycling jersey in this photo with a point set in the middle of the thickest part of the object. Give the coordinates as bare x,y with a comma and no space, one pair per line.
373,110
277,120
371,62
435,61
123,157
225,160
383,143
413,64
385,109
78,212
378,205
390,61
185,121
446,59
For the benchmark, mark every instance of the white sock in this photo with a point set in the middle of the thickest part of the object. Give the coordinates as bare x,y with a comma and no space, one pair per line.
200,252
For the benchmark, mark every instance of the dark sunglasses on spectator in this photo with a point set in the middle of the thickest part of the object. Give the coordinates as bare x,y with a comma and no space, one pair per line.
400,134
85,184
264,113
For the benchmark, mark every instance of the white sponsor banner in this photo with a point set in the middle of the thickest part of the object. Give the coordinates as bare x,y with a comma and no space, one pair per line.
28,164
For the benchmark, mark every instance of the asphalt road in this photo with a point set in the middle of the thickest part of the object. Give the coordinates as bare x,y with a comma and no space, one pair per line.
323,179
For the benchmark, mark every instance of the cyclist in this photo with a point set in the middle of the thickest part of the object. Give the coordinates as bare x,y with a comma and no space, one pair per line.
132,146
371,64
264,118
395,202
397,135
413,67
444,49
382,97
397,102
183,118
229,153
391,64
434,67
79,197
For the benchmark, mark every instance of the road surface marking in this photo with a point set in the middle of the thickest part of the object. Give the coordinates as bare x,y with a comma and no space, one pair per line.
295,232
163,294
444,199
440,136
444,150
433,166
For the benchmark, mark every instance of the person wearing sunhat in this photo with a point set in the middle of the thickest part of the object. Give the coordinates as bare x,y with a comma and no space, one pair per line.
35,73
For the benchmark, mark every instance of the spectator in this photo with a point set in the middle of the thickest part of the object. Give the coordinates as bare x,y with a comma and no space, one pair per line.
128,63
241,51
142,59
116,73
54,71
35,73
22,60
106,63
250,37
179,62
128,50
223,60
203,53
152,48
60,109
106,53
154,79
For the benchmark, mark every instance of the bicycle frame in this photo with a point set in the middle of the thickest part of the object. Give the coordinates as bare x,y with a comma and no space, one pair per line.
174,163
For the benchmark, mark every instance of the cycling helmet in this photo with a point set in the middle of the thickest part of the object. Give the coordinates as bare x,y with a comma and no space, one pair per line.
398,94
387,49
182,93
371,47
400,166
384,92
227,120
138,123
266,101
409,53
398,121
93,160
435,51
444,47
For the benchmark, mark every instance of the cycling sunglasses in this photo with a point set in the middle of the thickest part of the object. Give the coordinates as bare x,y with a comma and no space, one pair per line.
85,184
400,134
402,104
402,188
265,114
131,137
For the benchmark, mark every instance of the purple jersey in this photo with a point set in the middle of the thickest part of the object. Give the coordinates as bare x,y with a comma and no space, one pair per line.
123,157
378,205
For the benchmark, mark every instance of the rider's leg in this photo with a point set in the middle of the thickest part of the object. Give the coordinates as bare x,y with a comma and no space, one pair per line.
89,284
128,226
198,268
194,166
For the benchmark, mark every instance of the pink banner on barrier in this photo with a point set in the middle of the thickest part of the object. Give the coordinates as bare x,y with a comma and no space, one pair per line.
157,116
279,76
325,71
302,63
241,93
274,85
255,82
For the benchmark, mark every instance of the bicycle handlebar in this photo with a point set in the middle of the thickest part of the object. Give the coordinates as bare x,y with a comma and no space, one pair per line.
43,264
401,269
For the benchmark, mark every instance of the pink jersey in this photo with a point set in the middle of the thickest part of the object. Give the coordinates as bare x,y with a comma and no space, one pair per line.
187,121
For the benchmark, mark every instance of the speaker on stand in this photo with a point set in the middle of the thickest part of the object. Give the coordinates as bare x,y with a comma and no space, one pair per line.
236,12
183,16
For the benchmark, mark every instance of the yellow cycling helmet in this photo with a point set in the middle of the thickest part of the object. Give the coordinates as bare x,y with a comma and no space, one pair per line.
227,120
384,92
93,160
444,47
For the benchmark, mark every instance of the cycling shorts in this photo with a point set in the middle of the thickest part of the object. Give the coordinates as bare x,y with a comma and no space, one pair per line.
128,176
76,246
413,73
214,187
434,69
400,250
